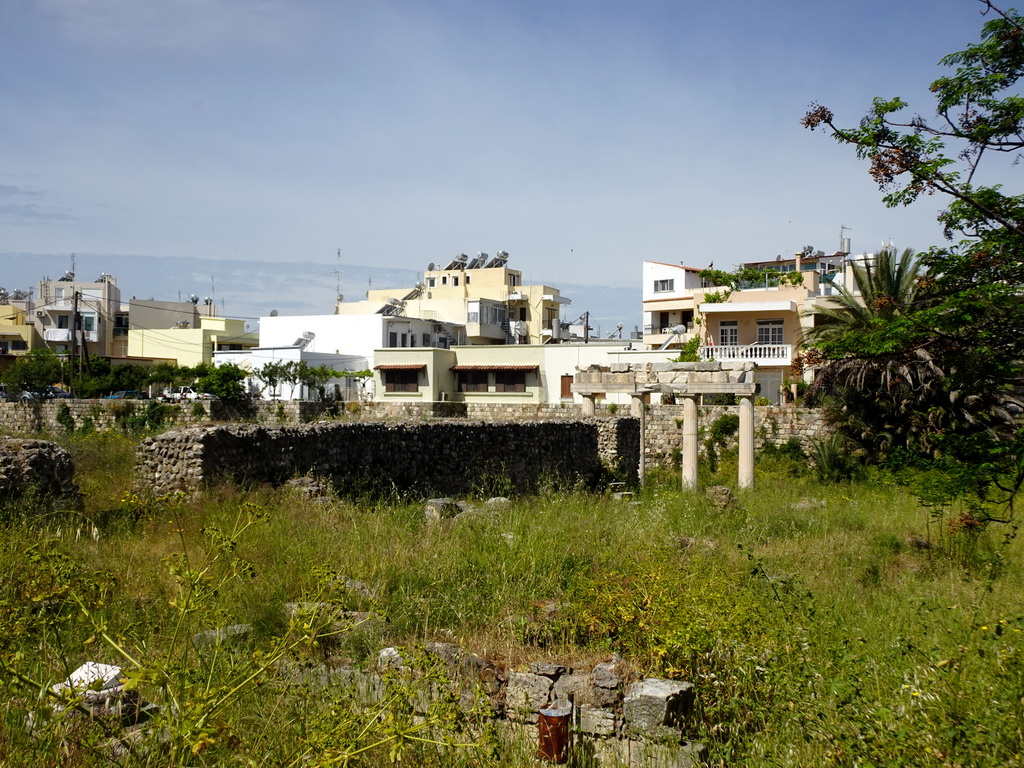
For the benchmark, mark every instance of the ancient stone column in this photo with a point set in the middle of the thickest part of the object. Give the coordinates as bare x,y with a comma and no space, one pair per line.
589,407
689,441
746,446
637,408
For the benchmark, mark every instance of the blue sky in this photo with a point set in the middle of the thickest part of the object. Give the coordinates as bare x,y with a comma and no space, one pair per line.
582,136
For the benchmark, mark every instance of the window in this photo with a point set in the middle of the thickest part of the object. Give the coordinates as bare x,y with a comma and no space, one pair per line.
405,339
431,282
455,280
729,333
661,286
510,381
401,381
58,294
472,381
513,280
468,278
19,345
393,339
444,279
426,339
88,323
522,313
63,321
769,332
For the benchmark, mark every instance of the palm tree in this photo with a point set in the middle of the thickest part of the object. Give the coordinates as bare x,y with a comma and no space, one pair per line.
890,287
885,372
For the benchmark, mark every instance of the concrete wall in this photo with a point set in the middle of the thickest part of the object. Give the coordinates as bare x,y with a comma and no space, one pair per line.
427,459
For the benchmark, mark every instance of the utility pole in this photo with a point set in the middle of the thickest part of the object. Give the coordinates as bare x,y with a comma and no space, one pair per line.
74,340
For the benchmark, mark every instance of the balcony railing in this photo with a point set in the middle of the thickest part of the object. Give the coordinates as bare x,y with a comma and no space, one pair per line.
765,354
659,329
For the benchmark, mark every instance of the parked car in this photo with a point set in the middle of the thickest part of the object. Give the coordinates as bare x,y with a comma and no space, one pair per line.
127,394
55,393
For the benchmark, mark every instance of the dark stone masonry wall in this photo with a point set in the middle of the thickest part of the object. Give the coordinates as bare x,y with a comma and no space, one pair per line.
445,457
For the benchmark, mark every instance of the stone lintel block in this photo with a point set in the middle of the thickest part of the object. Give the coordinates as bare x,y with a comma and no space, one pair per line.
707,367
746,389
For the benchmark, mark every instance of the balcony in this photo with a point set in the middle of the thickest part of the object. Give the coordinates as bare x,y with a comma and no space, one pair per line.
762,354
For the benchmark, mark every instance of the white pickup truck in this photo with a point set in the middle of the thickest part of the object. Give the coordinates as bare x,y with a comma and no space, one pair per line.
176,394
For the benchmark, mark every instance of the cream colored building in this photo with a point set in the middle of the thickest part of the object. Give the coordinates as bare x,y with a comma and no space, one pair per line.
521,374
481,294
763,323
97,304
190,345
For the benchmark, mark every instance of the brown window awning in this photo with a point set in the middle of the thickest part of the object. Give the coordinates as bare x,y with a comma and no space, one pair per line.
400,367
495,367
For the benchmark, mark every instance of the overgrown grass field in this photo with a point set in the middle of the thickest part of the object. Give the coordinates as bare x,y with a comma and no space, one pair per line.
821,624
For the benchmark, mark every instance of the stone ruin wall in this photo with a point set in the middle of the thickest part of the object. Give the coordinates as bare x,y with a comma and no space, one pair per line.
774,424
38,469
430,458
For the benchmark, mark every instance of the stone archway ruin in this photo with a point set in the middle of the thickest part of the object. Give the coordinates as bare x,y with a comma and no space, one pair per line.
687,381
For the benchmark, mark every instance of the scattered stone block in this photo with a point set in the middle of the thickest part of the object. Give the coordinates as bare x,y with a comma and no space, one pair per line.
575,687
525,694
596,722
720,496
651,705
436,510
547,669
221,635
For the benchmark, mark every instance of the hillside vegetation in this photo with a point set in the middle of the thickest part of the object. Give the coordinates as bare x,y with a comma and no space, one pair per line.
836,623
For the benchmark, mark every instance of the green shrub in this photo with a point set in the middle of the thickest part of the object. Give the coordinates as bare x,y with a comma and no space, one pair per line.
198,410
833,460
64,418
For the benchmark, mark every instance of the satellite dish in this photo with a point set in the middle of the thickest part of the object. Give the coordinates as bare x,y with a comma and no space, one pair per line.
679,329
520,328
341,297
619,326
431,267
273,313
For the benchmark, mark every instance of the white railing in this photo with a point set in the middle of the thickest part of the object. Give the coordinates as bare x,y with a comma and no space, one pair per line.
755,353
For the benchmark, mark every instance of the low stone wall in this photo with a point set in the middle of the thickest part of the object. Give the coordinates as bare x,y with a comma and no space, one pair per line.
772,424
424,459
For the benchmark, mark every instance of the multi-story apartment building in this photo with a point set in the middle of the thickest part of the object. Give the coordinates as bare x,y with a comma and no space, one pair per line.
763,322
97,304
481,294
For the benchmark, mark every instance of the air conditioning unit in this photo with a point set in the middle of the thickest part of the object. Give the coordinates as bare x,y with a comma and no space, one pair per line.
39,313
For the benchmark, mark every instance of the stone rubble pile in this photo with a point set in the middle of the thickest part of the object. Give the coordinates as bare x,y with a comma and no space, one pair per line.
39,468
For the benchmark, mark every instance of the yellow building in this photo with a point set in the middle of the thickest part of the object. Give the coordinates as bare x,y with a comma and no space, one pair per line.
481,293
189,345
17,331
